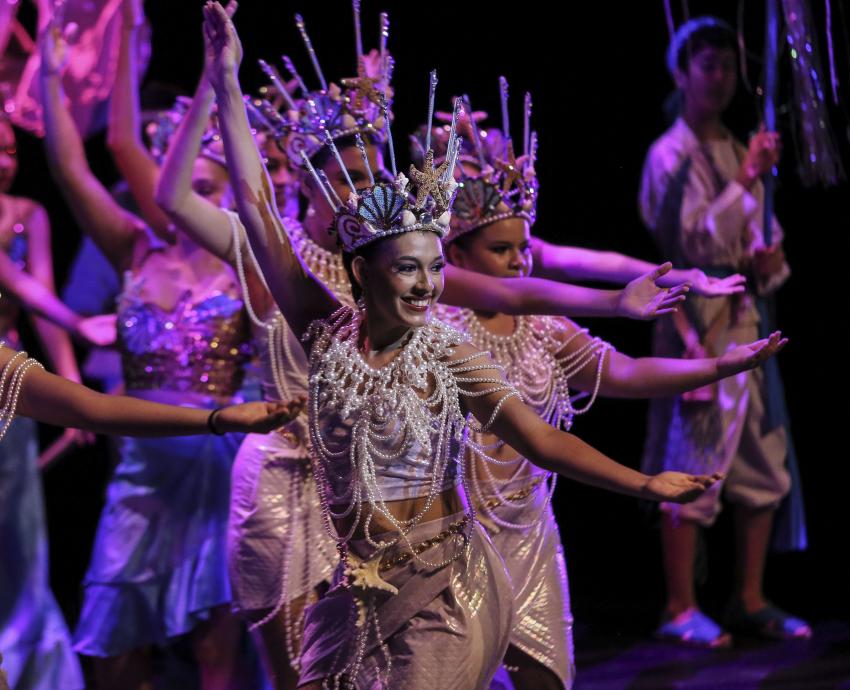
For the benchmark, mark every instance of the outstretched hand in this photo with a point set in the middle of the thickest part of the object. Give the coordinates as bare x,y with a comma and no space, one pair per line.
100,331
209,51
643,299
222,47
750,356
678,487
706,286
258,417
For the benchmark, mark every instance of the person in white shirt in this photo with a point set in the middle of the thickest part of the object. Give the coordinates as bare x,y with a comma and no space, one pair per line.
702,199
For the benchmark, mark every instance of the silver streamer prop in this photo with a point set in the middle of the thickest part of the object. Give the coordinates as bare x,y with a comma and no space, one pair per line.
817,150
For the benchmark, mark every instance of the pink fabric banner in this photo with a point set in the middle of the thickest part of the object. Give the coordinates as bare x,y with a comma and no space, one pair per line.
90,73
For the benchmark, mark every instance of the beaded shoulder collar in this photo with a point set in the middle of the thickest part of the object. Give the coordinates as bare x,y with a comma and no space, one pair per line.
326,265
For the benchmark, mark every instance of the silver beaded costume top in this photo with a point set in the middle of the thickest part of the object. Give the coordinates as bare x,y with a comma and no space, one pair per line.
391,433
533,361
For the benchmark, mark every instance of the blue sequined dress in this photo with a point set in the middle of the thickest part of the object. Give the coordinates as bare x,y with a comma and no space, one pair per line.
158,566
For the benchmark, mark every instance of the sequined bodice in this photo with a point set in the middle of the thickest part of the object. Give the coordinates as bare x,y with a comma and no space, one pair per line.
199,346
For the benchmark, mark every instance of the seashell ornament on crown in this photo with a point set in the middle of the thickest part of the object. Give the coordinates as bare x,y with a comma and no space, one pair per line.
420,202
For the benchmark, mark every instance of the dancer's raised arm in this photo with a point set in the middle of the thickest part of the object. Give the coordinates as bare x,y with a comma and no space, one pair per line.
300,297
112,228
202,220
124,139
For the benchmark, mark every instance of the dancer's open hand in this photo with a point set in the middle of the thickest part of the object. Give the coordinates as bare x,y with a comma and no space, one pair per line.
642,299
706,286
258,417
223,49
678,487
750,356
100,331
53,42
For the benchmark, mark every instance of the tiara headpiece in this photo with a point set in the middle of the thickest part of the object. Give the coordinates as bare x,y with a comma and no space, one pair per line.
383,209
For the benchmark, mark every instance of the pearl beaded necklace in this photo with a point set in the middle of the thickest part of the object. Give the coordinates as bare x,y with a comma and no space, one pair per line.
392,403
534,362
11,382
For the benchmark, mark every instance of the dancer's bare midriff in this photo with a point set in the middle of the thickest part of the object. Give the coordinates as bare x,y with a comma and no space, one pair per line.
447,503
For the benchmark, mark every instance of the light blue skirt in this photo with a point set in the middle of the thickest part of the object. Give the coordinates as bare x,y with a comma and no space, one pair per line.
34,639
159,563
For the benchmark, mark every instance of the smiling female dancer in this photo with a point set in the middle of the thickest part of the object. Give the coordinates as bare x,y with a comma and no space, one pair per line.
420,598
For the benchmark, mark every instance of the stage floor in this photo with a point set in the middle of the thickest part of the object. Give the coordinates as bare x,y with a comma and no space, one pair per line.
607,662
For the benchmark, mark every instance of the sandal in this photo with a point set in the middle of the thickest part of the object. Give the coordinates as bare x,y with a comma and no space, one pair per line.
693,628
770,622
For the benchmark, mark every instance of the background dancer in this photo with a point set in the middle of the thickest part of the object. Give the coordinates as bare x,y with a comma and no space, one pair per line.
703,200
159,571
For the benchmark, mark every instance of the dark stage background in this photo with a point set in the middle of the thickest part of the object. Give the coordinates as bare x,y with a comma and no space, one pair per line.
596,71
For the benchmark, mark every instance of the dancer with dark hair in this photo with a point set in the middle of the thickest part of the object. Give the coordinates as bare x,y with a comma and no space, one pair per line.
702,198
548,360
275,510
420,598
158,565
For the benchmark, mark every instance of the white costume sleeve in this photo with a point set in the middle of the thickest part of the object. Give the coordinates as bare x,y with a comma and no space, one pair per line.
713,229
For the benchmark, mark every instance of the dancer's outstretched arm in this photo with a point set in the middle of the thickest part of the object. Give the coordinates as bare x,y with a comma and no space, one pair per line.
654,377
641,299
565,263
95,330
558,451
299,295
112,228
54,400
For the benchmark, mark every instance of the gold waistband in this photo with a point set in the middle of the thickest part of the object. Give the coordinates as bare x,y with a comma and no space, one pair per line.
404,556
517,495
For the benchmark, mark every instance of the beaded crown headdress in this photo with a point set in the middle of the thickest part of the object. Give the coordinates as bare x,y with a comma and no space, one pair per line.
387,208
491,176
357,105
162,129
